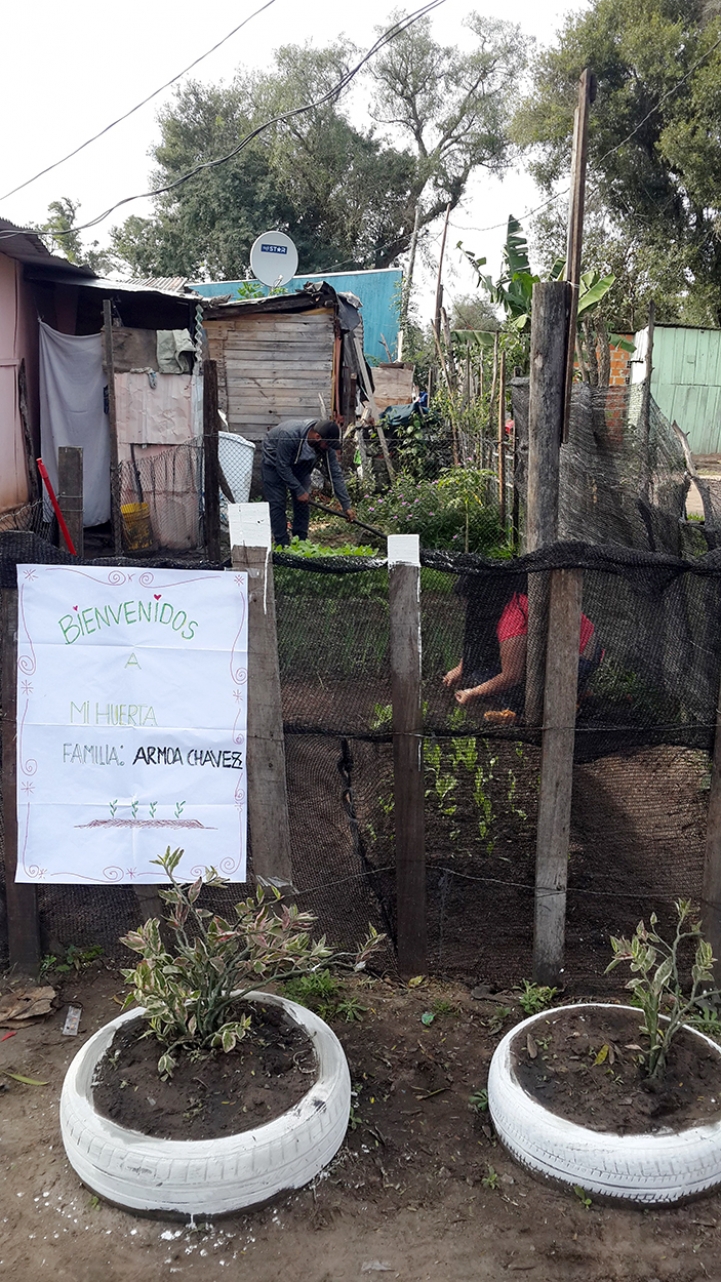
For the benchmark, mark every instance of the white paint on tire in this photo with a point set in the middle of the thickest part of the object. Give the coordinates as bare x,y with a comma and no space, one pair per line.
207,1177
662,1167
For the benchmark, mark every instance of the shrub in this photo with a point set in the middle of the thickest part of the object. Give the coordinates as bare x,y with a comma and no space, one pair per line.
189,991
452,512
656,983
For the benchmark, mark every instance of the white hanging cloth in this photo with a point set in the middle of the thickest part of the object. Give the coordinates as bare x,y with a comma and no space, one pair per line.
72,413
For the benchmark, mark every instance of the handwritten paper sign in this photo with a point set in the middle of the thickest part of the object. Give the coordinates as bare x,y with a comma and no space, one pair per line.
131,722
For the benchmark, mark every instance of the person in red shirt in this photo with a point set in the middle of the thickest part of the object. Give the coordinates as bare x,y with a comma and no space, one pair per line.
506,611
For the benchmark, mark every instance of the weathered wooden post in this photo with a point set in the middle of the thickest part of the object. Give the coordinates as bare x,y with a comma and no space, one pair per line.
404,603
21,899
109,362
711,892
554,618
546,402
70,492
554,799
268,822
502,442
586,95
211,464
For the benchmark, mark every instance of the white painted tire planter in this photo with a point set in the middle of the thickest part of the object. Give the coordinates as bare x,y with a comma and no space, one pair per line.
661,1167
207,1177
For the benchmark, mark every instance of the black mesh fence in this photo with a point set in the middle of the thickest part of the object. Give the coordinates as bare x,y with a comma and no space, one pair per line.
645,721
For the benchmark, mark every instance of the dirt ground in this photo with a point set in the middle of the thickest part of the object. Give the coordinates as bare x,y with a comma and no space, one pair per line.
405,1195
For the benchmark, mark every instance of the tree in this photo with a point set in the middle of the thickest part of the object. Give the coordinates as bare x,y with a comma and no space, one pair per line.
454,107
346,196
341,194
473,312
654,155
62,237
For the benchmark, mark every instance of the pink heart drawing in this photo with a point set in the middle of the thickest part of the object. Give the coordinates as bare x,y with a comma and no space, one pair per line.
157,595
75,607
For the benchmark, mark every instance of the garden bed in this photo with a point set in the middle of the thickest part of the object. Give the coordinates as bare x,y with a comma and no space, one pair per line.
586,1065
269,1071
420,1186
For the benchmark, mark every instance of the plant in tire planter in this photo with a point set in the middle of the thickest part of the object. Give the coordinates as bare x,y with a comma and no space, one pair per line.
585,1095
190,995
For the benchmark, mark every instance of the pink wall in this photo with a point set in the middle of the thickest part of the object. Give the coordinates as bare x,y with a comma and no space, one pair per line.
18,340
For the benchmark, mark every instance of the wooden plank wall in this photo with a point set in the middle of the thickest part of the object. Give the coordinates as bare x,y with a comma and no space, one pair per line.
272,366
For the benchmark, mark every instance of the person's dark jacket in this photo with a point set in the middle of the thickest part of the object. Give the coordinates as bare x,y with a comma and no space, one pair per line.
287,446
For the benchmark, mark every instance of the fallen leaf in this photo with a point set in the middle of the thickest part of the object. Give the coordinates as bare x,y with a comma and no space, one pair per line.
415,981
633,1046
602,1055
27,1081
531,1046
30,1003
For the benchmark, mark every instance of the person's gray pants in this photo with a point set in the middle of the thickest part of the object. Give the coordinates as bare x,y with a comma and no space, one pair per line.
276,496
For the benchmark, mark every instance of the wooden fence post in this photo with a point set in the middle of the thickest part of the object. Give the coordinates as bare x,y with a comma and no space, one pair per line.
711,892
554,801
21,898
554,612
586,95
109,361
250,550
211,465
70,491
502,442
546,404
404,603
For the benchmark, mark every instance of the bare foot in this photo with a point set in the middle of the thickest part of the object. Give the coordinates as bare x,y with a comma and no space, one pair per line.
453,676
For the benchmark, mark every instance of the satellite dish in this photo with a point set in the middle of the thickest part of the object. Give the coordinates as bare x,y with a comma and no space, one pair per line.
274,258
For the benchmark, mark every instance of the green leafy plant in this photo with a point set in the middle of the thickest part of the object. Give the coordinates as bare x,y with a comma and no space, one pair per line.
478,1101
309,548
491,1178
496,1021
189,990
320,992
450,512
535,997
582,1196
443,785
656,982
382,716
74,959
481,781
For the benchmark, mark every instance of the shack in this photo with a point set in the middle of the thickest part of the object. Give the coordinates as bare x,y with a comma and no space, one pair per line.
54,383
295,355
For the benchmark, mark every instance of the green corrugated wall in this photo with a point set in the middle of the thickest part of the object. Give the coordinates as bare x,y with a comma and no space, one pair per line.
686,381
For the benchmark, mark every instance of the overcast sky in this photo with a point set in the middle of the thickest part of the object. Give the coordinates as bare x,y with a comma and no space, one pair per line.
70,69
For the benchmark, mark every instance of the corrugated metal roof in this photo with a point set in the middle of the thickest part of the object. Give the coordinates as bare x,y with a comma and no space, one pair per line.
25,245
298,301
378,290
165,284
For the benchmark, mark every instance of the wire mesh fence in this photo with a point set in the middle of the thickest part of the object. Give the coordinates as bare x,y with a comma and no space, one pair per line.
645,721
645,726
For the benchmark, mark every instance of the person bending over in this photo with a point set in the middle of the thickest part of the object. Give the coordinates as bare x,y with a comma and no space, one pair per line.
493,666
290,452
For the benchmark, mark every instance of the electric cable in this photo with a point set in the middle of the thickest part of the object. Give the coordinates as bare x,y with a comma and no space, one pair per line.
138,105
398,27
528,213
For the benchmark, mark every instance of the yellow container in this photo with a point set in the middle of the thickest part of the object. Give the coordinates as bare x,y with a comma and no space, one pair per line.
136,525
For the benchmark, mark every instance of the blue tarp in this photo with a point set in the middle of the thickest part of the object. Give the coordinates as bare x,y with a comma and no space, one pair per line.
379,292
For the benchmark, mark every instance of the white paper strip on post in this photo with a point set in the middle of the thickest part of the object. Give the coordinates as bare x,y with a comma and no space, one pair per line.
249,525
404,549
132,697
